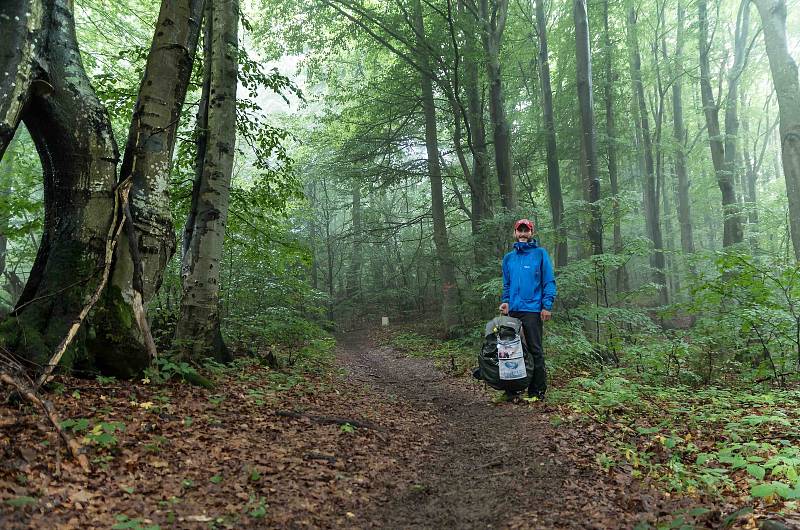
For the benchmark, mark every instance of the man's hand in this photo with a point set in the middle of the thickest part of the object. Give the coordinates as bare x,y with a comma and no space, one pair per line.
504,308
545,314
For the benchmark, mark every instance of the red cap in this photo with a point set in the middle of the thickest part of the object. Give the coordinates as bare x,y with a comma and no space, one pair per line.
525,222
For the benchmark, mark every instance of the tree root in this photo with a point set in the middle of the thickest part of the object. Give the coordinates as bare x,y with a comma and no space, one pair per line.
30,394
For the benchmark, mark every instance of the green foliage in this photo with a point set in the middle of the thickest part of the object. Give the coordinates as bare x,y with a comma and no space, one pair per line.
100,434
169,367
18,502
694,440
124,522
748,311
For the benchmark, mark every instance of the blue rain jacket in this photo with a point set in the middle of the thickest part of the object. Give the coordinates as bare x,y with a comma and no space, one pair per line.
528,280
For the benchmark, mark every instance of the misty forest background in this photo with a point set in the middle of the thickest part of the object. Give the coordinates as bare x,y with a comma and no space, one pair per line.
383,150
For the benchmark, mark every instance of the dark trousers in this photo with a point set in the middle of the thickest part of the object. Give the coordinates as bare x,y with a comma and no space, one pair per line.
532,327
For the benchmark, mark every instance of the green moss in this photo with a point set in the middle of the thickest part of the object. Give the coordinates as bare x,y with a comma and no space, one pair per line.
114,344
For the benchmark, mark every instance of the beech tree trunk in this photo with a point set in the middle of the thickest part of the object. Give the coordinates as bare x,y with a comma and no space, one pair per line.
588,134
651,205
732,231
353,280
201,142
787,87
151,141
443,253
732,153
48,89
52,95
679,134
621,274
493,15
481,199
553,174
199,325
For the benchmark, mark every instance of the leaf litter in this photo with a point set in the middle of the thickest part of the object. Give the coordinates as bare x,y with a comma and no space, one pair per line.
389,444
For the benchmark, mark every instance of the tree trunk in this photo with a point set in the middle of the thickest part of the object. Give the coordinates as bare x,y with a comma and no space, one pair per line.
651,206
553,175
732,154
201,142
679,133
732,231
588,135
481,199
621,274
151,141
494,23
48,89
54,98
199,324
353,280
443,253
787,87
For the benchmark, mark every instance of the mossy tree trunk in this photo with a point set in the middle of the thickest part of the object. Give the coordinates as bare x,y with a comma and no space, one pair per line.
72,133
199,324
50,92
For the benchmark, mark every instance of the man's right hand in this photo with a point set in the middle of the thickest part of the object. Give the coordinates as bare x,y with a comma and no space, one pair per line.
504,308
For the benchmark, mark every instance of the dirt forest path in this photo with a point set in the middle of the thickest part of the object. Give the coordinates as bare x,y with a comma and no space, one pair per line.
488,465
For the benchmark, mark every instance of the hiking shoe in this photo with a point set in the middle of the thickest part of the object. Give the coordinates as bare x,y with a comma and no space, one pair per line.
513,397
506,397
535,396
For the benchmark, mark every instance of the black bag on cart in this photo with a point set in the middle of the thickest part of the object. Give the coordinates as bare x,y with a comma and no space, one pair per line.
502,362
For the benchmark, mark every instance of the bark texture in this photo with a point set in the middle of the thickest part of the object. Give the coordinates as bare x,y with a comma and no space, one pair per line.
787,87
493,15
72,134
553,174
588,134
151,142
199,324
650,189
732,231
443,253
679,134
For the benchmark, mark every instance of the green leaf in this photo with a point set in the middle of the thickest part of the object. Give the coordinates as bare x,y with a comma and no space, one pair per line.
756,471
22,501
702,458
762,490
731,518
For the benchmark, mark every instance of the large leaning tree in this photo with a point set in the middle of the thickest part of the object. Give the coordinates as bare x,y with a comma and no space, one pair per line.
93,248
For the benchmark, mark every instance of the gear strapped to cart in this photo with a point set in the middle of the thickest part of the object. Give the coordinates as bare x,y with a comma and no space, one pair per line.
503,362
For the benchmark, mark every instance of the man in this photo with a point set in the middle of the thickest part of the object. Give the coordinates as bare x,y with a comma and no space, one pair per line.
529,289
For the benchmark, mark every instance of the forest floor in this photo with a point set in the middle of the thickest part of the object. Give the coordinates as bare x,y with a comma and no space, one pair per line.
375,439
